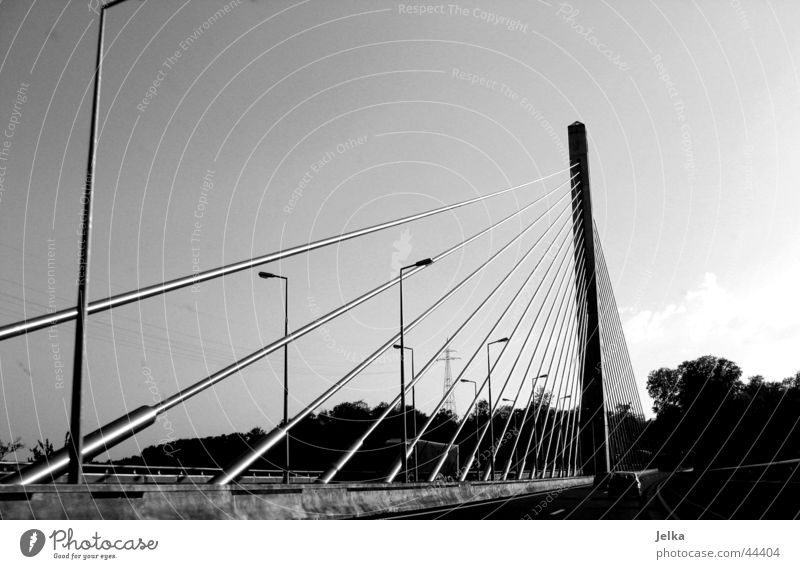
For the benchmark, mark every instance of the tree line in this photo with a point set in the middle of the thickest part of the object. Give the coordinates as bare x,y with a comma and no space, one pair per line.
320,439
706,415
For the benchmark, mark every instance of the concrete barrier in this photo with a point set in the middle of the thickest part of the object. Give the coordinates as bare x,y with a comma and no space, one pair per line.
252,501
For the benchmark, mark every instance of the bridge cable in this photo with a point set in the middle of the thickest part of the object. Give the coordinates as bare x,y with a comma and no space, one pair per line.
548,376
494,449
57,317
544,433
569,433
331,472
628,383
579,361
495,445
127,425
277,434
516,398
558,349
512,453
222,374
624,370
396,466
618,323
566,295
356,445
432,416
570,380
611,379
616,426
586,460
572,459
614,429
444,455
576,428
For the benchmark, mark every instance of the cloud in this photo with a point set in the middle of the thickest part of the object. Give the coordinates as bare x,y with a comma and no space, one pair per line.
757,326
647,325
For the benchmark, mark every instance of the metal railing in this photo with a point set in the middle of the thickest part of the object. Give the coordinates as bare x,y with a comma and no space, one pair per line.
145,473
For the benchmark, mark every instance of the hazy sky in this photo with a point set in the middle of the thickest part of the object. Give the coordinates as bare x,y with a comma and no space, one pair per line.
377,109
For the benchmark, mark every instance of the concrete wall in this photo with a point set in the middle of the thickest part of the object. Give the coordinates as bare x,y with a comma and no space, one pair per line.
250,501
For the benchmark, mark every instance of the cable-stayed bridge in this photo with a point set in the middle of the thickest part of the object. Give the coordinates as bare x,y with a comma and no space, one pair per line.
564,412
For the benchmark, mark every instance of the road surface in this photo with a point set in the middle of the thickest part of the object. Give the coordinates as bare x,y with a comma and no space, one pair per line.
581,503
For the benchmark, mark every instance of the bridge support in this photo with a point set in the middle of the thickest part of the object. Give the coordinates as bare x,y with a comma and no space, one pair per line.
593,435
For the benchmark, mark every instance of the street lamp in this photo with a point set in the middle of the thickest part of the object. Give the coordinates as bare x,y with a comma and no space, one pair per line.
414,405
404,458
477,437
489,380
264,275
75,448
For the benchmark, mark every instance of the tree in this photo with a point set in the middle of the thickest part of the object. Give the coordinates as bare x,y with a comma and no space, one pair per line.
707,379
707,415
9,447
443,426
481,408
792,382
254,435
542,398
41,450
663,388
351,410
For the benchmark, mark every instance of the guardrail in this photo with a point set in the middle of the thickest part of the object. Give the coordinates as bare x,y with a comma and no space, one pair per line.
143,473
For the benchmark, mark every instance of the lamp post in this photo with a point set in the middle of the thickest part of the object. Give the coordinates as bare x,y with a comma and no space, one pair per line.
414,406
404,458
477,437
264,275
489,381
75,448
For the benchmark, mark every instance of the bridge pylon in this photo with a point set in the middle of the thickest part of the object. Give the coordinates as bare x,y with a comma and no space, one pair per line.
593,434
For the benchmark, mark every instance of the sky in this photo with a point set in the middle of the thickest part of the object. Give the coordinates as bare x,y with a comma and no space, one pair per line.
226,135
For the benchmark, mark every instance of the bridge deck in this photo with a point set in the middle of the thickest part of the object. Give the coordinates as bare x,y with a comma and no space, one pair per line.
252,501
